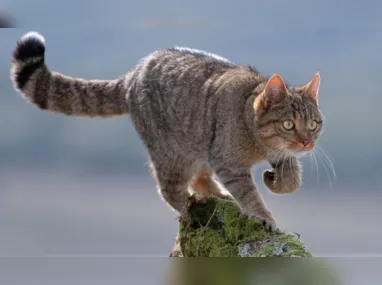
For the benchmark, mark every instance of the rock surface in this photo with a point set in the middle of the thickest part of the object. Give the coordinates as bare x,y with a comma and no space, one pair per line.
216,228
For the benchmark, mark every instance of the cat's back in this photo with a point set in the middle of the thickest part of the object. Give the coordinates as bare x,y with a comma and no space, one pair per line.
185,76
182,65
177,73
184,58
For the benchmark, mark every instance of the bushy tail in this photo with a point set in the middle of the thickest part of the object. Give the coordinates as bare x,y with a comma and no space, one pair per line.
59,93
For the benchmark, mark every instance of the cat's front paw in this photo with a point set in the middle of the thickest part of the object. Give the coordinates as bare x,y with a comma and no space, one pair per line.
265,218
269,178
287,184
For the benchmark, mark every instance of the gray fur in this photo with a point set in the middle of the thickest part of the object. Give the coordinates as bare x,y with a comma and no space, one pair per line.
197,114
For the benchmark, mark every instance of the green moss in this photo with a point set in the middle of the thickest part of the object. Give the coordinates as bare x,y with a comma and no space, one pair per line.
237,227
207,243
218,229
201,215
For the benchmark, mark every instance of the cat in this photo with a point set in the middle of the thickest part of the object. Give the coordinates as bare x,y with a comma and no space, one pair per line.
198,115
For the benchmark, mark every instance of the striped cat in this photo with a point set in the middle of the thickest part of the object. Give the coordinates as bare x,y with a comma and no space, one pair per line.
197,114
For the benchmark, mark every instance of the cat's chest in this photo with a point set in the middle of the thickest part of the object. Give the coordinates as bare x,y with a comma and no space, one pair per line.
270,155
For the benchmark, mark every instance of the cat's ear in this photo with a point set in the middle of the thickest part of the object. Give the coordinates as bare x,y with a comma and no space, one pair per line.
274,92
311,89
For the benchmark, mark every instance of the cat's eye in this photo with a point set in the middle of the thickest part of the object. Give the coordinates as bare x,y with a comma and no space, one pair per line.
288,125
312,125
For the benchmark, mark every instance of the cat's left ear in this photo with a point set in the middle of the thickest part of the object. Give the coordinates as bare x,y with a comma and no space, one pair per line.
311,89
273,94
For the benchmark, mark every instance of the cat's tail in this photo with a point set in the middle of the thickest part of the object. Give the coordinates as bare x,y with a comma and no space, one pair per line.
59,93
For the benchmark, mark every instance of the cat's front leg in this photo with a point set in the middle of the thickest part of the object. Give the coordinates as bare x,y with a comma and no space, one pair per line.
240,184
285,177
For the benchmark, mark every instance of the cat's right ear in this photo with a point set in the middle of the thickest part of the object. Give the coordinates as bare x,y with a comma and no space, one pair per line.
273,94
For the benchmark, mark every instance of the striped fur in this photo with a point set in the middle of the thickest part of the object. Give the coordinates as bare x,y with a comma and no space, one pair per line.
197,114
59,93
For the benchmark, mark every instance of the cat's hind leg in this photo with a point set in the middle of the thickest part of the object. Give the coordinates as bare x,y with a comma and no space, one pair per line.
173,183
205,186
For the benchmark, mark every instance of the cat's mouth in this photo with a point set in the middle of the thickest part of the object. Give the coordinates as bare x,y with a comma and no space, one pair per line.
302,146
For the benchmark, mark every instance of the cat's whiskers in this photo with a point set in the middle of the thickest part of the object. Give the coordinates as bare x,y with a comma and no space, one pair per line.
317,156
280,156
317,165
329,160
272,154
327,163
314,158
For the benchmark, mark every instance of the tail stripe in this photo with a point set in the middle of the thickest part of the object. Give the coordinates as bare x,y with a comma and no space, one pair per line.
25,73
56,92
41,96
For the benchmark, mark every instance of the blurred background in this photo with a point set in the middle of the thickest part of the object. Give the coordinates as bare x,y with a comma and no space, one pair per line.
81,187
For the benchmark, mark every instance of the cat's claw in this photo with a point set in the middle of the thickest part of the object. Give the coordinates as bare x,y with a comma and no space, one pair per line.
266,220
270,175
288,186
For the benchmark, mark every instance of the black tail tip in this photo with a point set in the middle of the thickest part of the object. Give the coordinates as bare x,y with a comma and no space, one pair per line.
31,45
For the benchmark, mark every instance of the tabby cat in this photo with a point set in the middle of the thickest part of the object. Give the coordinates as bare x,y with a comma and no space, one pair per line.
197,114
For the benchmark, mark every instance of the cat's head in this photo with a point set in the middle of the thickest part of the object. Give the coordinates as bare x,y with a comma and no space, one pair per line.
288,118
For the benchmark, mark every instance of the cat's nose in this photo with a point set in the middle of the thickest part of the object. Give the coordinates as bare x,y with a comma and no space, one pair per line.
305,142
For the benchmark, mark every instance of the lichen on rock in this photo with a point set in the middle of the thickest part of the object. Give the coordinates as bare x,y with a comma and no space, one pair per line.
216,228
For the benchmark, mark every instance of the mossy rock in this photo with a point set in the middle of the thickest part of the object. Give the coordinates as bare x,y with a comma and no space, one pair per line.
216,228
